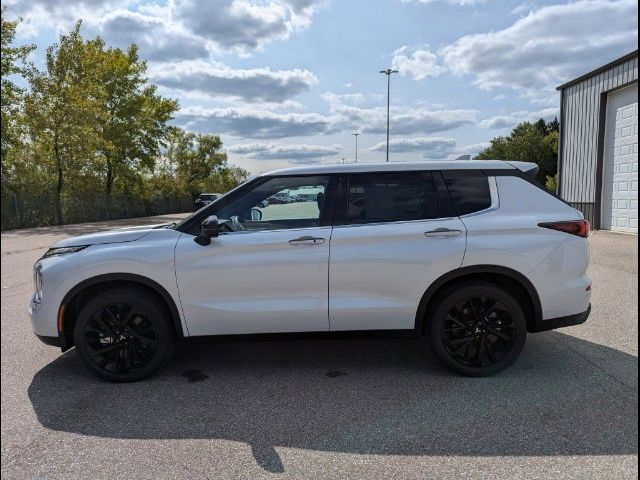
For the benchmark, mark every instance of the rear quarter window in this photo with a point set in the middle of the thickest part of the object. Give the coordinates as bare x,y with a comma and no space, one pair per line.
469,190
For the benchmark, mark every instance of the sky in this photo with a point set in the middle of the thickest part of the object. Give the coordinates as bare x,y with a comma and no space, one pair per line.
287,82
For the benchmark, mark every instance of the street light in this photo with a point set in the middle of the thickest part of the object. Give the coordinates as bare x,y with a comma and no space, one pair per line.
388,73
356,135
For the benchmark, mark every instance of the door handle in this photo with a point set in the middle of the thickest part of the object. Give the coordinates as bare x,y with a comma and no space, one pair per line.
442,233
307,240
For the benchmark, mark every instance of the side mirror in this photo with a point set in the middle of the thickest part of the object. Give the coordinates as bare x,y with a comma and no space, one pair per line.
256,214
209,227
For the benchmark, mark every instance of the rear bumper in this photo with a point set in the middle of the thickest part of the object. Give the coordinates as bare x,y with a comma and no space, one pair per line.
559,322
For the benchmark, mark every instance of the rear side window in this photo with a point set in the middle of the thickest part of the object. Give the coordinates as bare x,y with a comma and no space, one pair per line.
398,196
469,190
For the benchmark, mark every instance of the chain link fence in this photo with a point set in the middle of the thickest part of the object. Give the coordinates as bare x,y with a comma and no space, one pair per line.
38,209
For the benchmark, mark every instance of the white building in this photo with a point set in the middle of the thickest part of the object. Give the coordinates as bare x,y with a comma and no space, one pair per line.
598,152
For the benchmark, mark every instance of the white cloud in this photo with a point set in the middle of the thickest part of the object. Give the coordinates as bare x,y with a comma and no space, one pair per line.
512,119
417,63
338,99
472,149
158,39
523,8
295,153
404,120
453,2
234,25
251,85
252,122
59,16
428,147
548,46
263,123
244,26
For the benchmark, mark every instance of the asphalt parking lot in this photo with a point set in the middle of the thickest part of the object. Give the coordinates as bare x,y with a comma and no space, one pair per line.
360,408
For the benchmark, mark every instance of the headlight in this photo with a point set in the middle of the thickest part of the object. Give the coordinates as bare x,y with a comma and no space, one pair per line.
37,282
63,250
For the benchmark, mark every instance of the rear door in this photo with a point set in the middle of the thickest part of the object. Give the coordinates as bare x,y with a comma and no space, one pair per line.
395,234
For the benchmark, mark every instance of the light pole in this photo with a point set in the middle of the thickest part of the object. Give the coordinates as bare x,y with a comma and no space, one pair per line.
388,73
356,135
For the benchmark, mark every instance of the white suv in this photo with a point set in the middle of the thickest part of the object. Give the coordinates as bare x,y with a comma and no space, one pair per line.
471,254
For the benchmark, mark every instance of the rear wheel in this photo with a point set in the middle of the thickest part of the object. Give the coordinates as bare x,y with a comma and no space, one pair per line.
477,329
123,335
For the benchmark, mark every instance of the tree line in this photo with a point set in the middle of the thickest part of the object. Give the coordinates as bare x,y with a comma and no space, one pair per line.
89,121
535,142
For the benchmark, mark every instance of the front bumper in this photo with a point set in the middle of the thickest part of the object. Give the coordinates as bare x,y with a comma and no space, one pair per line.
559,322
43,317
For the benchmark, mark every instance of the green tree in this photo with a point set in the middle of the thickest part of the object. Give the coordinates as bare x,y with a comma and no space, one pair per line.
528,142
13,64
195,163
65,109
91,122
135,122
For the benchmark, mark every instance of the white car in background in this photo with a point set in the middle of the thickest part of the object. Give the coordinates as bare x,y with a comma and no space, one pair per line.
471,254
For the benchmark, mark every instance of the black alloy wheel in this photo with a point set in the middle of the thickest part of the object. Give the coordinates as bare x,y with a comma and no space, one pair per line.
124,334
477,329
120,339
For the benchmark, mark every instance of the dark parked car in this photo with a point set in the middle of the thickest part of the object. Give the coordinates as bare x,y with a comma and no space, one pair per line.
279,198
205,199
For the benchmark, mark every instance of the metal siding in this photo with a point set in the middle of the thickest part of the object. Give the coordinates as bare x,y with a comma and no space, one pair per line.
569,144
580,139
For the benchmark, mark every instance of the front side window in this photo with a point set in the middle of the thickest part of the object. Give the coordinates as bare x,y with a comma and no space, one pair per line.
278,203
393,197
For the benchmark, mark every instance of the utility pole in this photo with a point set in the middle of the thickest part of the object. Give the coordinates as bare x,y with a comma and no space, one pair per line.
388,73
356,135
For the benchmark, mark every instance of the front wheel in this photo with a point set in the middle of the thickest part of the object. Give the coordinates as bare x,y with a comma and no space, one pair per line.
123,335
477,329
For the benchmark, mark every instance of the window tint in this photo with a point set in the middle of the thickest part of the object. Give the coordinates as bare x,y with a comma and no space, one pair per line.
469,190
398,196
280,202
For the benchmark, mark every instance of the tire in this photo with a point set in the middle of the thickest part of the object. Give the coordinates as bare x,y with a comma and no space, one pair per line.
124,335
477,329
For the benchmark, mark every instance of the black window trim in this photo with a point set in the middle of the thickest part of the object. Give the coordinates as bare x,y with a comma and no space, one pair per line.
194,222
337,197
342,203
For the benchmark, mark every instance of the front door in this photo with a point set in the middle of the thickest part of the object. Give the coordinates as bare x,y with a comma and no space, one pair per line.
399,235
268,272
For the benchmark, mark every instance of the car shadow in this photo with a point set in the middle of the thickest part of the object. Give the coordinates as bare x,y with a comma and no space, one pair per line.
564,396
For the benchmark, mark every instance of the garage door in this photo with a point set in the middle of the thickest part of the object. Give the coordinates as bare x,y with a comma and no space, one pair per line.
620,173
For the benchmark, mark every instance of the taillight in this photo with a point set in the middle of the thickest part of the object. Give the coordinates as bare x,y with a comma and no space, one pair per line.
580,228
